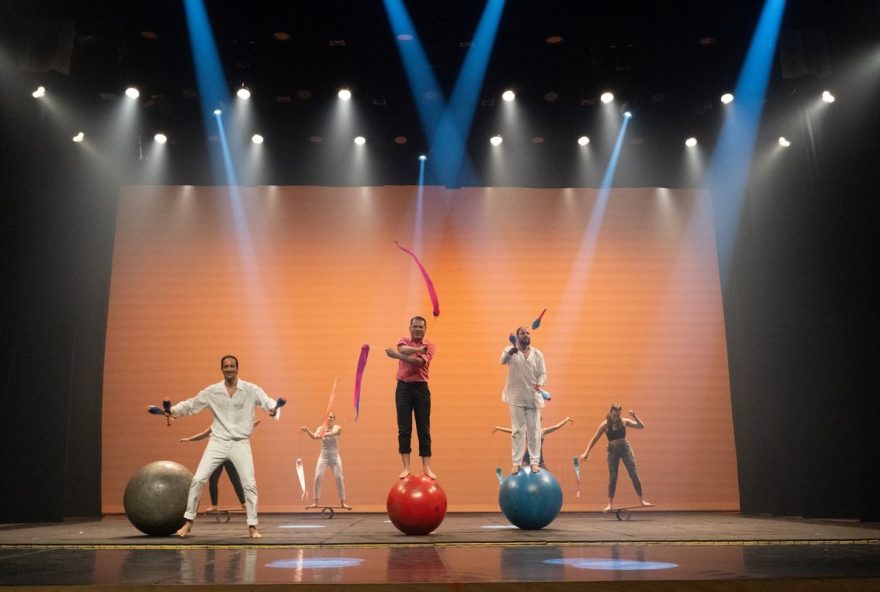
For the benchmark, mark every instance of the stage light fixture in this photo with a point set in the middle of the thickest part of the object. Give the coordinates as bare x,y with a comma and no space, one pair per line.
827,96
79,137
496,140
690,142
39,93
422,157
132,93
606,97
257,139
160,138
344,94
281,36
360,140
400,140
243,93
218,112
727,98
508,95
627,115
583,140
784,142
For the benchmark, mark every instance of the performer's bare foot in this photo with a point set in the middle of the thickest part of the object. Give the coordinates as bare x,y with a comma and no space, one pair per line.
312,505
252,530
646,504
210,509
346,506
184,530
403,474
608,508
430,474
536,469
515,470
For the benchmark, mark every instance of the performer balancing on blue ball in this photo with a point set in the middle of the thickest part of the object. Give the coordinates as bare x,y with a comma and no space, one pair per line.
526,376
232,403
614,427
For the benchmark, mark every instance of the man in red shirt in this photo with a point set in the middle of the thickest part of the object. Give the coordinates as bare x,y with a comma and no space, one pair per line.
412,396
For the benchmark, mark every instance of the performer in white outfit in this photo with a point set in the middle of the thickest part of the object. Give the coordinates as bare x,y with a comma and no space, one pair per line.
329,456
232,402
526,376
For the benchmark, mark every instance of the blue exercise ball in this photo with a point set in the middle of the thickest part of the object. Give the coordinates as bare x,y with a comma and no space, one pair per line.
530,500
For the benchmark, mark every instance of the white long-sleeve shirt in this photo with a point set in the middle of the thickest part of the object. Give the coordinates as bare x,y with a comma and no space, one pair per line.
233,416
523,373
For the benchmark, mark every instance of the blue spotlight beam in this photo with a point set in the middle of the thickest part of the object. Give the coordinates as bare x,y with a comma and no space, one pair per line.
450,142
422,82
728,174
446,126
213,91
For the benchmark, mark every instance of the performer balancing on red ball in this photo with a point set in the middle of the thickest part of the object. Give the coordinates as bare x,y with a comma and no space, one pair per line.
412,396
232,403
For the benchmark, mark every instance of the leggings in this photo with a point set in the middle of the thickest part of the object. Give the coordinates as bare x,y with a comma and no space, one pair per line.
214,480
622,452
336,465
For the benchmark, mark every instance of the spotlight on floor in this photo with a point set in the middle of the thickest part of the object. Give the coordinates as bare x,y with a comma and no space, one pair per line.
583,140
727,98
690,142
784,142
344,94
160,138
496,140
257,139
606,97
243,93
826,96
132,93
39,93
360,140
79,137
508,95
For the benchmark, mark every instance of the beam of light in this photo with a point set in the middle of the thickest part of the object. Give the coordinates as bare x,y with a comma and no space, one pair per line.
578,277
415,280
446,125
449,144
728,174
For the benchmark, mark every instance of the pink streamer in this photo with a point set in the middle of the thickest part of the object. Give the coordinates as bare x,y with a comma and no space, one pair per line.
358,376
432,292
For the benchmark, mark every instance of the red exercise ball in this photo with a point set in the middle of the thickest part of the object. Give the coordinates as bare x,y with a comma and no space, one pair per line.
416,504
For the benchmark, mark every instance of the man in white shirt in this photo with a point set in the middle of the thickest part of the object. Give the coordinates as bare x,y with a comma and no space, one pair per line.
232,403
526,376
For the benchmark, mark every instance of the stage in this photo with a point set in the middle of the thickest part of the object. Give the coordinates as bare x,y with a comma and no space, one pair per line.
653,550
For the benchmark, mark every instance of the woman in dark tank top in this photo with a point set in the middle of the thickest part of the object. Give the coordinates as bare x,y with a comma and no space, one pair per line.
614,428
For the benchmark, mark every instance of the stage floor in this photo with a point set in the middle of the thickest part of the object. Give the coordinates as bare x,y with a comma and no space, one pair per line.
652,550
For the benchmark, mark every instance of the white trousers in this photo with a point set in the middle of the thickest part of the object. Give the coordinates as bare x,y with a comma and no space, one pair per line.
324,461
217,451
525,429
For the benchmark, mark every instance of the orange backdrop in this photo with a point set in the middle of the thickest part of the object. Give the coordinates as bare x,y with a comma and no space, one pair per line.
293,280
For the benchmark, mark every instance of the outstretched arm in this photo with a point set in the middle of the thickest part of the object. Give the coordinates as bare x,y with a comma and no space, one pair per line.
199,436
599,431
501,429
553,428
635,422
